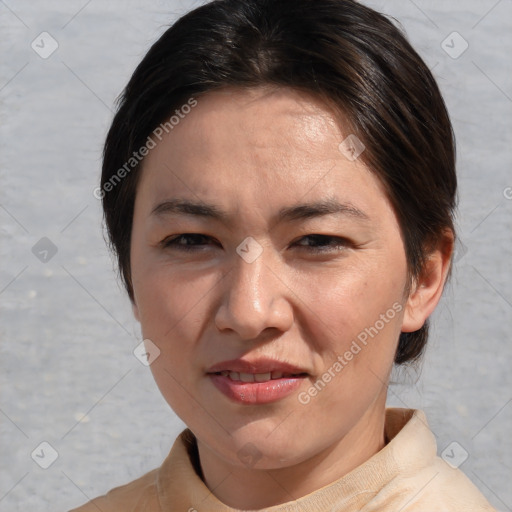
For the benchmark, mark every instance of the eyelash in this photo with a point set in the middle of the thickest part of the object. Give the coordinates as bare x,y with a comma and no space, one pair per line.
173,242
323,248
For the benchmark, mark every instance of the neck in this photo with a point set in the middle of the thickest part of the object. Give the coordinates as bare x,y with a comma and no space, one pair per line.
253,489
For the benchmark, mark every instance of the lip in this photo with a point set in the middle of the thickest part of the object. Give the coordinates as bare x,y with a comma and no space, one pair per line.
261,365
255,393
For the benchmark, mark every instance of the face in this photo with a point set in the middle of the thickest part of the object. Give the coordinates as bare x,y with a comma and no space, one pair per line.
269,270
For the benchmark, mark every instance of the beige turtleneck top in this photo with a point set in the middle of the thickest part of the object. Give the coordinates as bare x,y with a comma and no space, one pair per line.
406,476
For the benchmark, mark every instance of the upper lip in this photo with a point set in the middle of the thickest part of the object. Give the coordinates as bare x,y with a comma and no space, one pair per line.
261,365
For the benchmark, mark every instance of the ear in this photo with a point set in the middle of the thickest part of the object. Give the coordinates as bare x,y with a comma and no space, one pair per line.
428,287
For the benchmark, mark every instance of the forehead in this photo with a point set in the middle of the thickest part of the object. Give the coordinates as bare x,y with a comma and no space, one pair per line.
253,108
259,146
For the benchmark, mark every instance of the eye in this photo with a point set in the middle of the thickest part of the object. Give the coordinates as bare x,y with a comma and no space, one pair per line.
322,243
188,242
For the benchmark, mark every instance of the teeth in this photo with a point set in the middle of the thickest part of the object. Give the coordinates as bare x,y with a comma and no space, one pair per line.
262,377
256,377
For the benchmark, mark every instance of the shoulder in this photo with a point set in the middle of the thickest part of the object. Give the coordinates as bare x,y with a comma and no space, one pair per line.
442,488
137,496
422,481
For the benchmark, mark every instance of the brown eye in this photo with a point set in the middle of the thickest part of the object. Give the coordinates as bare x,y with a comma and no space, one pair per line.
187,241
322,242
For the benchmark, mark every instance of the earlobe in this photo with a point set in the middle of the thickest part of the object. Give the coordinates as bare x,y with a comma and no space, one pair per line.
427,288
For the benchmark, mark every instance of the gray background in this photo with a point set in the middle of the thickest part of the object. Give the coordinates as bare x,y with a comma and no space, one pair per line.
68,375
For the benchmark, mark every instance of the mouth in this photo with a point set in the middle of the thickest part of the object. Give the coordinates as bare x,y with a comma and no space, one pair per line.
256,382
265,368
258,377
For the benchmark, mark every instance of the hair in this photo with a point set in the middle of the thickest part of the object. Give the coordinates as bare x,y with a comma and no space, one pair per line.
349,56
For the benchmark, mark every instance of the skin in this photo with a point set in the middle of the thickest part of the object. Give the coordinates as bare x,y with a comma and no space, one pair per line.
251,153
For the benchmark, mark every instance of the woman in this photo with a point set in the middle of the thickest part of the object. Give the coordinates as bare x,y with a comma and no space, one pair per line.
279,185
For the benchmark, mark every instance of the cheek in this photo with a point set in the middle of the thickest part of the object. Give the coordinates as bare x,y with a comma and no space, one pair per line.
167,297
172,309
360,316
344,304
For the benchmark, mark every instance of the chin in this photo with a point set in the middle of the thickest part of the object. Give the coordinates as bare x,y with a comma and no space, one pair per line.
265,448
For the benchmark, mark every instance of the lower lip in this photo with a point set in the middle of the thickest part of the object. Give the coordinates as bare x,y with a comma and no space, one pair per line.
252,393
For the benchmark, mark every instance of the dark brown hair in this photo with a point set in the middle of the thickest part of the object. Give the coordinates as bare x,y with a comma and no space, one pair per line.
348,55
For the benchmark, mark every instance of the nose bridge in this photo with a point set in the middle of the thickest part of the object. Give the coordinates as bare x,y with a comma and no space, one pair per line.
247,284
252,300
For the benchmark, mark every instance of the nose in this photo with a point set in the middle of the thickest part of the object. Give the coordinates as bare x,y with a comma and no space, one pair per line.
254,299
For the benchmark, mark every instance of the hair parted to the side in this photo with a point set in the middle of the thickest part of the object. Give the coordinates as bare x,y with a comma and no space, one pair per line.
353,58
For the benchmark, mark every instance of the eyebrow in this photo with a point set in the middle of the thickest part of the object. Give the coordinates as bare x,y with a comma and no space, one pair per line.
318,209
289,213
185,207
